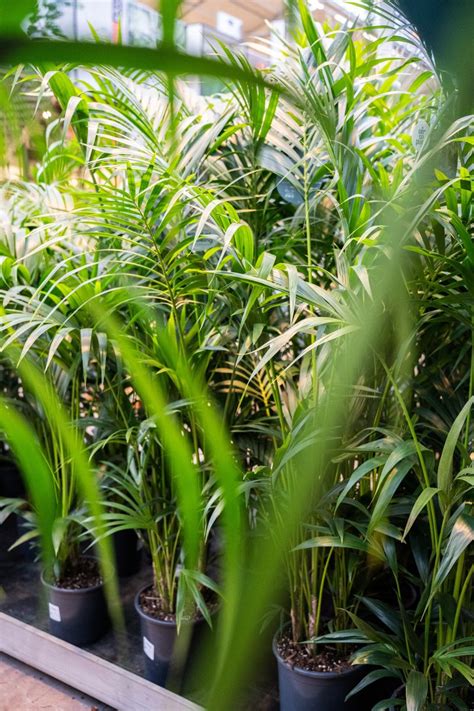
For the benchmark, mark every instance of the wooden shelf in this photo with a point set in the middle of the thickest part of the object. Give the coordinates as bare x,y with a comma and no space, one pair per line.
84,671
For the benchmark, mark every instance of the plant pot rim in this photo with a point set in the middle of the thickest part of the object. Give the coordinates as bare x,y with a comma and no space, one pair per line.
313,674
70,591
138,608
165,623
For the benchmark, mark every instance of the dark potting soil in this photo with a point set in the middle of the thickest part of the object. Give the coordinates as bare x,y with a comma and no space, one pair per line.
152,605
81,574
300,656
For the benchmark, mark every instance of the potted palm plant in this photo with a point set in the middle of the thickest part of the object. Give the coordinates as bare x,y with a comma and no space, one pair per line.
428,648
74,585
333,555
321,570
175,605
76,605
76,582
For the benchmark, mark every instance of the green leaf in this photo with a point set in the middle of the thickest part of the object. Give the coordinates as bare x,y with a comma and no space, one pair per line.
462,535
12,15
169,12
59,337
181,599
385,496
422,500
370,678
292,287
60,528
348,541
387,615
359,474
164,59
369,631
416,691
402,451
448,607
244,241
387,704
25,538
37,474
464,236
464,670
342,637
9,506
204,580
445,467
86,338
72,101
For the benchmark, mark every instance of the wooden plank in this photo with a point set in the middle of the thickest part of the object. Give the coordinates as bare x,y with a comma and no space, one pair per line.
84,671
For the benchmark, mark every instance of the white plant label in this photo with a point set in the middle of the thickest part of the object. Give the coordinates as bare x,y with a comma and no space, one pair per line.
54,612
420,131
148,648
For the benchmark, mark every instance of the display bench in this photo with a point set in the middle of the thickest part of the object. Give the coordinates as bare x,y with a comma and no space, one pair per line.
101,671
86,672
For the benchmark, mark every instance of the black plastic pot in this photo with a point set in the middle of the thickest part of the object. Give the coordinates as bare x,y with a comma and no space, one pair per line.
77,616
8,536
302,690
128,553
11,481
167,662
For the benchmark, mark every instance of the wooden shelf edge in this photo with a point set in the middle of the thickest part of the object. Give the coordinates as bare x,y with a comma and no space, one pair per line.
84,671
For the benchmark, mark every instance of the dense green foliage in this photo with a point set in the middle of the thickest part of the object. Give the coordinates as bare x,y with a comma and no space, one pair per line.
243,324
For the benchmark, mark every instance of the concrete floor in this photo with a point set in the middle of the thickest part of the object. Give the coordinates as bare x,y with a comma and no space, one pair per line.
24,689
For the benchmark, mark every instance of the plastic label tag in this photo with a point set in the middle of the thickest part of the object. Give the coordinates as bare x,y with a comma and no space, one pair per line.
420,131
54,612
148,648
